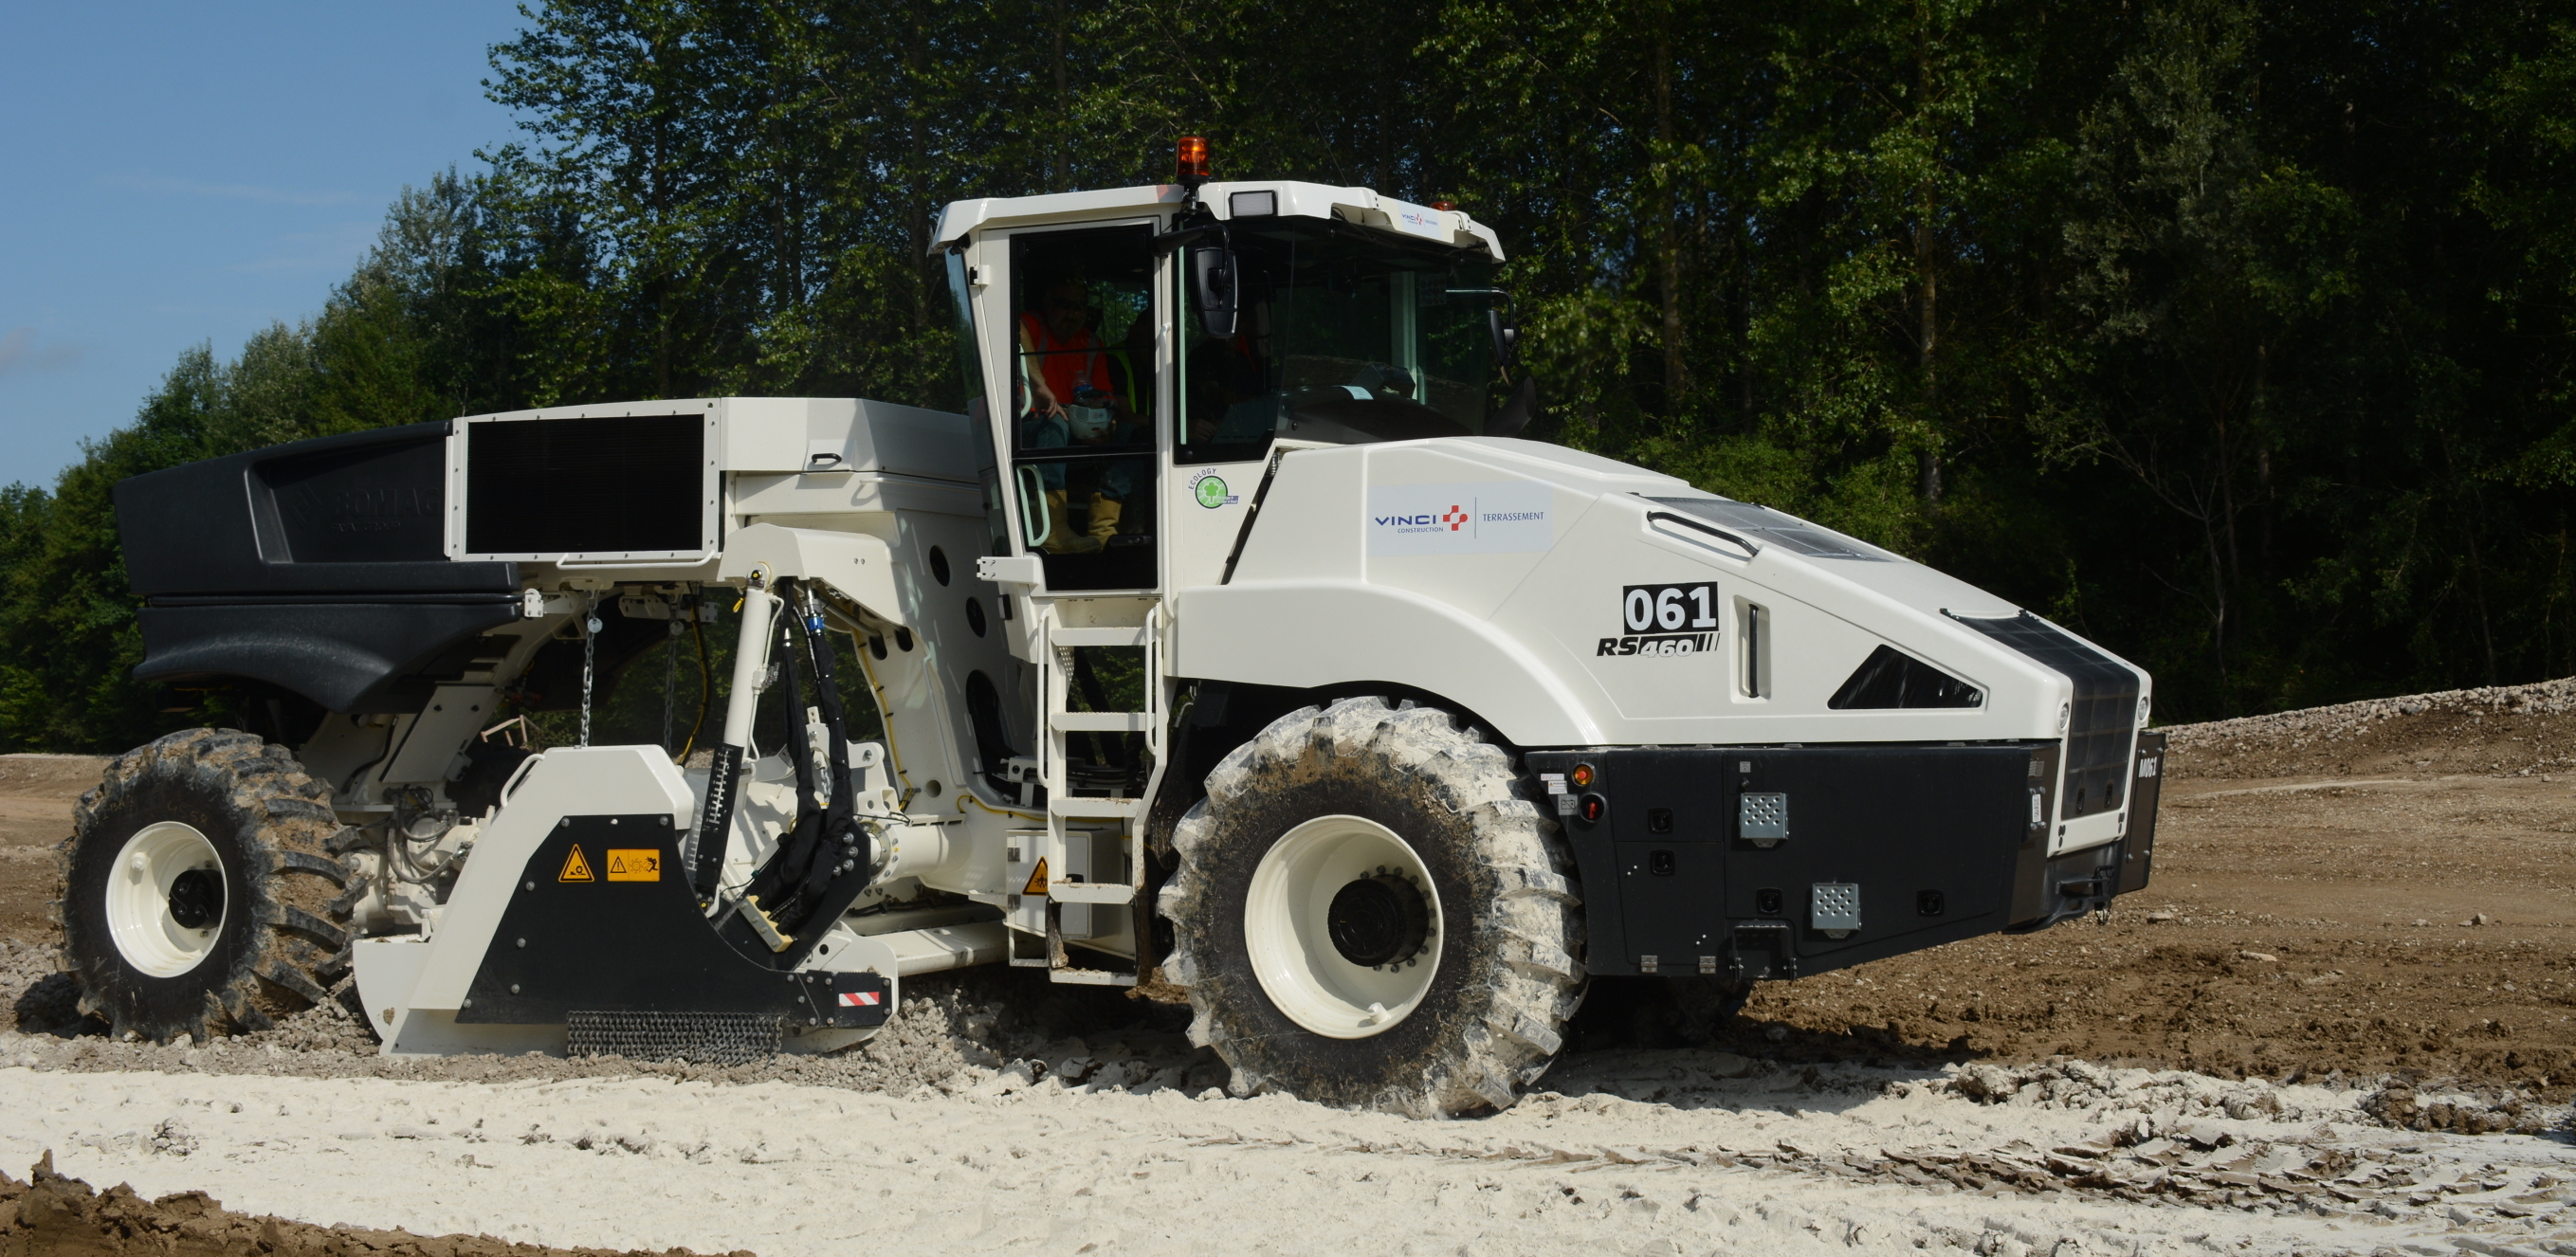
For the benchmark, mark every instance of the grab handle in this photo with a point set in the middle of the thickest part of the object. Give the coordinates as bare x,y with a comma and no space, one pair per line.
1033,498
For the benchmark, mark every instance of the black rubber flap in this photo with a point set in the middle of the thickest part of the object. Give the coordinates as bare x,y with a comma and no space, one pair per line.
602,921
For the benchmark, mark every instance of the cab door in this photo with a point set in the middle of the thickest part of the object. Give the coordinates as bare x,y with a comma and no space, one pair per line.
1072,329
1069,329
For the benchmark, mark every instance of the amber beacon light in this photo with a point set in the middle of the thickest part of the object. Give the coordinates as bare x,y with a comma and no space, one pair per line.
1190,161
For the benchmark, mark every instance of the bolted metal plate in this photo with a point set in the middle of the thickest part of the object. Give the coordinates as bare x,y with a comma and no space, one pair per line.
705,1038
1834,906
601,920
1762,817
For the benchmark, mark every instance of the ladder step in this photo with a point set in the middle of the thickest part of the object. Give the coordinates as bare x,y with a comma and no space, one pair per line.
1093,977
1065,636
1101,721
1091,892
1098,809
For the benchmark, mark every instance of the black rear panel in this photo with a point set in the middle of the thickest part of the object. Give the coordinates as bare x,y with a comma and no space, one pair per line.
318,567
335,516
2105,710
586,486
1931,837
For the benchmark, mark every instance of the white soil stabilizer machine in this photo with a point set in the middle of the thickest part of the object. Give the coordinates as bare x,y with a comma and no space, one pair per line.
1230,645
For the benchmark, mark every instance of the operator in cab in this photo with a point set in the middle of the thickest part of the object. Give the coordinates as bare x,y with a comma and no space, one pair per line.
1073,399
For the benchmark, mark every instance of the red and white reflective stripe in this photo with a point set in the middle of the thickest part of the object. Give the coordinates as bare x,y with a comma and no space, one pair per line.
859,999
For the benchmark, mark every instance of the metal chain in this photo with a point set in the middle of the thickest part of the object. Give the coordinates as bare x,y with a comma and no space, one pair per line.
589,655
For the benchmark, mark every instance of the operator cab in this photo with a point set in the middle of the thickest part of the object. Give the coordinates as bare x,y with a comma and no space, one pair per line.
1132,356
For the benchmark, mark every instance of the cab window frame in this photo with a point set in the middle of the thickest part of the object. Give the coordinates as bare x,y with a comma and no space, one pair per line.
1298,233
1147,456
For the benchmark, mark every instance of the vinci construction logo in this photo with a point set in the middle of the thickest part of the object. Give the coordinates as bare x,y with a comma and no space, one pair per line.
1481,517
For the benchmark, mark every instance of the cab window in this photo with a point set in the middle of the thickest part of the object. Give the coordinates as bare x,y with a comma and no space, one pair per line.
1081,340
1345,335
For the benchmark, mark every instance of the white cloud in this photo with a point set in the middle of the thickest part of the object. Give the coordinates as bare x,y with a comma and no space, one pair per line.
334,249
18,353
234,191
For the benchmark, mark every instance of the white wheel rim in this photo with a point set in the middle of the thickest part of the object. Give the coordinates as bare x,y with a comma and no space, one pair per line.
1286,931
147,934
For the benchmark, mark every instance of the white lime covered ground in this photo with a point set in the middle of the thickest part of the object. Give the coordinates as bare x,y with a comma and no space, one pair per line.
1637,1153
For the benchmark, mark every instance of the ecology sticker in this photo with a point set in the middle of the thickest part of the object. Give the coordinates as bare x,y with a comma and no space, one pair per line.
1209,488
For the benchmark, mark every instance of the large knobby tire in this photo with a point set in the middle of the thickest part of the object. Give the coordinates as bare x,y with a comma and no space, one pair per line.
1462,871
197,895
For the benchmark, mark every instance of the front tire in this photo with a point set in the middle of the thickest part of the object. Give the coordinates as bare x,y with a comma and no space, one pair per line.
1369,912
197,897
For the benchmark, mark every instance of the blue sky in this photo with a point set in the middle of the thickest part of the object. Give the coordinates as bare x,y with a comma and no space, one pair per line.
177,174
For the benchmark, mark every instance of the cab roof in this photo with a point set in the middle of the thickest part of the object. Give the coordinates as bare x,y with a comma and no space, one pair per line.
1244,199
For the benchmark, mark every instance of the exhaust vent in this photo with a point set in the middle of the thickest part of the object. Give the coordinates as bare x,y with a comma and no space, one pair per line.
1889,680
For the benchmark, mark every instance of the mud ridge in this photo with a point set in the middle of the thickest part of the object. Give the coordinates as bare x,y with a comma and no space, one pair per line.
59,1216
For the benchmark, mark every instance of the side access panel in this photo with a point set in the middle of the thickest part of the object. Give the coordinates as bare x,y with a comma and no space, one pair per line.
603,922
1758,862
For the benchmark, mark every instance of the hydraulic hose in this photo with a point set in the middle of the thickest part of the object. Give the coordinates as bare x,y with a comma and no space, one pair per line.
750,658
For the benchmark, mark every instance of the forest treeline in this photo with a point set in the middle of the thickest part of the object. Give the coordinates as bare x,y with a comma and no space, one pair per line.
2235,334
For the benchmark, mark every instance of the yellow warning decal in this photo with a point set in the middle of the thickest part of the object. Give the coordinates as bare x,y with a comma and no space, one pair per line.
634,865
1037,880
575,868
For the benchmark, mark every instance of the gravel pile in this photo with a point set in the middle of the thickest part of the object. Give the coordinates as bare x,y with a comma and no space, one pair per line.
2539,698
2350,724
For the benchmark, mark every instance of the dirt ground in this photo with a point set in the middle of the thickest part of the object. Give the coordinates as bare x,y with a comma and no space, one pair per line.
2379,887
36,797
60,1216
2360,921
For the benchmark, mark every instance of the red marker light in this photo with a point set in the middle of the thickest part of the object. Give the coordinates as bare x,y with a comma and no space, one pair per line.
1444,206
1581,776
1190,161
1592,808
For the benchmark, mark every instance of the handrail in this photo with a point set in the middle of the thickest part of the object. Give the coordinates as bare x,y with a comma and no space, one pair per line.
1027,476
1750,549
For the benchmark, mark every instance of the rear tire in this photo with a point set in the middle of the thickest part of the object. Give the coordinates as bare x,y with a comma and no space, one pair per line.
1370,912
197,894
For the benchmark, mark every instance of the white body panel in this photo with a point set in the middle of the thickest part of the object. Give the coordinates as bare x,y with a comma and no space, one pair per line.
1513,632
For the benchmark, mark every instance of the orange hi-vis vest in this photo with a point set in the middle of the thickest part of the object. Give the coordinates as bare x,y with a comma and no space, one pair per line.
1062,365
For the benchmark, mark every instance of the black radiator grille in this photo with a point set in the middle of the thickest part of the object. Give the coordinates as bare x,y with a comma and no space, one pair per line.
706,1038
586,486
2105,714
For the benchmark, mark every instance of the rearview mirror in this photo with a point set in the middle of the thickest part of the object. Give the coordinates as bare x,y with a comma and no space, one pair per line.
1212,283
1498,320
